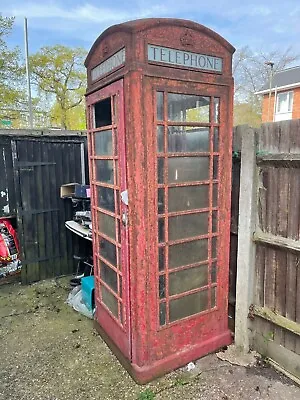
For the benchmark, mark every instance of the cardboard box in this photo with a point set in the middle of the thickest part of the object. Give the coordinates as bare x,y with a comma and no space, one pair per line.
75,190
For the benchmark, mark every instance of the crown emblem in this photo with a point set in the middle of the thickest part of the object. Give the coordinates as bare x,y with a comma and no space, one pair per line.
105,50
187,39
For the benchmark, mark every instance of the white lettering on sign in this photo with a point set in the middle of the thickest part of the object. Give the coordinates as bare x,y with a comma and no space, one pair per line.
184,58
116,60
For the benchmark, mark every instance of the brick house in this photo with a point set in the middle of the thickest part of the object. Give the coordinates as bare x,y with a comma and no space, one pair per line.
285,96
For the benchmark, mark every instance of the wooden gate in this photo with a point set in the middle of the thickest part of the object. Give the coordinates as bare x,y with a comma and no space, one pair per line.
35,164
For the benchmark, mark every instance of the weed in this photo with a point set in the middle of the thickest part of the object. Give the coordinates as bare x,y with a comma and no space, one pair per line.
146,395
181,382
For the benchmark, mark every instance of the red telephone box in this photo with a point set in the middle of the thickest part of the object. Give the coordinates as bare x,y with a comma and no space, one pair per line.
159,107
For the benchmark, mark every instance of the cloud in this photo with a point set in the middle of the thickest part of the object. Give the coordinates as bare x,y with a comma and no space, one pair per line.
260,11
257,23
83,21
84,13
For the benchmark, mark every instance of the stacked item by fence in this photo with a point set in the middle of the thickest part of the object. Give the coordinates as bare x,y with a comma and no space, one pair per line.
81,224
10,263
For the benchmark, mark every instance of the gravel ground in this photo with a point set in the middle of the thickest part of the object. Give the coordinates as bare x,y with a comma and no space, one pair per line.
50,352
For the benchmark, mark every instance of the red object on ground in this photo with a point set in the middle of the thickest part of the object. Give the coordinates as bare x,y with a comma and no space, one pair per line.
9,245
159,113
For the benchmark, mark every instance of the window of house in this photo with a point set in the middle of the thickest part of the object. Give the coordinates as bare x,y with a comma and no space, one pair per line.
284,102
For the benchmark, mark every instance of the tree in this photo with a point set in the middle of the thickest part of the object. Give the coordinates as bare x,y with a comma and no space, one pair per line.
59,74
75,116
246,113
250,73
12,94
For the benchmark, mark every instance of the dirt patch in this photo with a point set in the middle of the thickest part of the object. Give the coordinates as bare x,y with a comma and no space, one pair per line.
50,352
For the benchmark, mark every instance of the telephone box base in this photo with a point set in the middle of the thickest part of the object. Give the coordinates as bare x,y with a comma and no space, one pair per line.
148,373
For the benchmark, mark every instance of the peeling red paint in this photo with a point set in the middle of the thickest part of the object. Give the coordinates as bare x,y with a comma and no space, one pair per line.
148,348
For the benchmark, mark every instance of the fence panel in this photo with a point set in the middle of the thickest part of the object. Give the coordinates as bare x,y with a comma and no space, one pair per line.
275,298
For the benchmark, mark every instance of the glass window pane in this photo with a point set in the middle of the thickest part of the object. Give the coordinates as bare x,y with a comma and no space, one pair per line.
214,272
188,198
108,251
188,279
160,170
215,195
188,169
106,198
187,139
107,225
162,286
215,167
161,230
104,171
109,276
284,102
216,109
160,138
103,143
162,314
215,221
216,139
188,253
188,108
161,201
161,258
214,244
160,105
109,300
188,305
184,226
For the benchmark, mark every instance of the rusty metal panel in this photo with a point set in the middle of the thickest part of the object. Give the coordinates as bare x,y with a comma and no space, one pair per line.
158,346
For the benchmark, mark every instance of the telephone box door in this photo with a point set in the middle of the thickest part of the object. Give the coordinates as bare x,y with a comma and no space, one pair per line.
193,203
106,141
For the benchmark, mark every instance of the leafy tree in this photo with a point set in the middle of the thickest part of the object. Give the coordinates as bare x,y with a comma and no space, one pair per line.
75,116
250,73
59,74
246,113
12,94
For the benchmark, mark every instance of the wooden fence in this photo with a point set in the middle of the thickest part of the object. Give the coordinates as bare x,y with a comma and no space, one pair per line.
268,271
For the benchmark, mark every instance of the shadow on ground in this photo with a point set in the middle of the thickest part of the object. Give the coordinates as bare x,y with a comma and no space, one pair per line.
50,352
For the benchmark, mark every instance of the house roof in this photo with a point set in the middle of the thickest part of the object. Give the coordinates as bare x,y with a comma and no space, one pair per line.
285,79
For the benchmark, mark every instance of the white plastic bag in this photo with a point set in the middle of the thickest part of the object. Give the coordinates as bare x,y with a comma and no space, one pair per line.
75,300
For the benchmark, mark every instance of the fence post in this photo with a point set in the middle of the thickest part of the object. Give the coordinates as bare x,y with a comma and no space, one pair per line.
246,246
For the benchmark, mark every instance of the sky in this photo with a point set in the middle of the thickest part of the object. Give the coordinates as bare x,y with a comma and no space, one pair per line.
262,25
